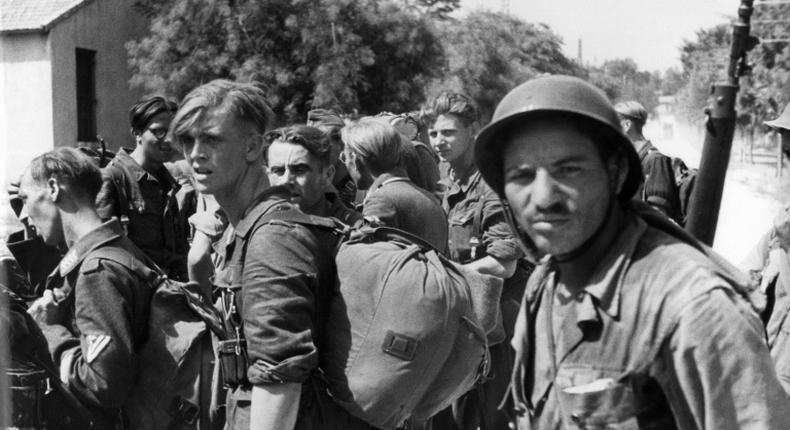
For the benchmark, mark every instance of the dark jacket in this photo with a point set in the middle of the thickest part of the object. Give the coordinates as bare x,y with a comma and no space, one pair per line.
659,188
397,202
658,338
154,221
104,307
286,281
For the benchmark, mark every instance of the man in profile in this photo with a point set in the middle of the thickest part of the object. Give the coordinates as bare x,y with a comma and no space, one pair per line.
659,189
94,311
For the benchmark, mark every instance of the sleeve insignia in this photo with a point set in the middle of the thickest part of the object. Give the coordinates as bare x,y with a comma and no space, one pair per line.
96,343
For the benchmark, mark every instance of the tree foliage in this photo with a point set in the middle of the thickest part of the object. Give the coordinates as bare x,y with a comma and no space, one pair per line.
344,54
764,92
622,80
440,9
490,53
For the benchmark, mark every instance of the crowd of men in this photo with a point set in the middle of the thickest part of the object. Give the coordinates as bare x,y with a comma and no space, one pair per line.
613,316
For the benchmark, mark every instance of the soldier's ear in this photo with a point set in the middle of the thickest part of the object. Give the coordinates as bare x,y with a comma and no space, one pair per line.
474,128
53,189
329,173
254,149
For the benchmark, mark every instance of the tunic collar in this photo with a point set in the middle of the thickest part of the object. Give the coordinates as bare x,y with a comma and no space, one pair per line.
101,235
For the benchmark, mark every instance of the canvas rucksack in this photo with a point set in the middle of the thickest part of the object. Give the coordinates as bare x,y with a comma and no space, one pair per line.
685,179
175,365
407,328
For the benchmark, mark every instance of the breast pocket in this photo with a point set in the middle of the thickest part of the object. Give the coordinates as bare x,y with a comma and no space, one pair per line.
594,399
465,246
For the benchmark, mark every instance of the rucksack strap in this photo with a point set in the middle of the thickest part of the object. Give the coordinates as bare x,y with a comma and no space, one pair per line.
724,268
118,175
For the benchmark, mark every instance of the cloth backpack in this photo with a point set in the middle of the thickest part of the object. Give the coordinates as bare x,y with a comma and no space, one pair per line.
685,179
175,382
407,331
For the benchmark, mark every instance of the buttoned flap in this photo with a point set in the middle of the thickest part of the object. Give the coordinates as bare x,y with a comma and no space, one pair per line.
593,398
463,216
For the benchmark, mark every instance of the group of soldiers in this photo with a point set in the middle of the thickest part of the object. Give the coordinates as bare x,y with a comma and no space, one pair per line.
614,316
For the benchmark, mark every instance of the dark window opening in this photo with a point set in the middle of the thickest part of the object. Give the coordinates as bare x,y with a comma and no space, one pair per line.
86,95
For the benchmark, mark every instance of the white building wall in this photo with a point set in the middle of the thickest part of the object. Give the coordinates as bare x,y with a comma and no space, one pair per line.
103,26
26,118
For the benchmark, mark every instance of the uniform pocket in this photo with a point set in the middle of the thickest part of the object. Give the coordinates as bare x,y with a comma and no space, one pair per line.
597,399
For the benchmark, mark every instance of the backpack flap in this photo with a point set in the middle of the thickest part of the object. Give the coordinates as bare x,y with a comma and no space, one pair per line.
173,364
201,306
485,291
401,335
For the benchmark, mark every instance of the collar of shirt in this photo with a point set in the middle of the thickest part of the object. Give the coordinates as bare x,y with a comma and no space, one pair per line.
106,232
384,179
606,280
261,205
453,183
124,158
646,149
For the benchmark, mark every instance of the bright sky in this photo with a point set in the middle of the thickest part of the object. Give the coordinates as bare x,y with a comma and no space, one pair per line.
649,31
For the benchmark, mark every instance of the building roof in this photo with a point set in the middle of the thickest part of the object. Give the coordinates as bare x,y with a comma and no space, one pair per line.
22,16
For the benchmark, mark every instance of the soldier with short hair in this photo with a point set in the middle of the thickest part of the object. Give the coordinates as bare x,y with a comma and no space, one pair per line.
373,157
659,188
627,322
94,312
139,190
479,238
301,156
278,275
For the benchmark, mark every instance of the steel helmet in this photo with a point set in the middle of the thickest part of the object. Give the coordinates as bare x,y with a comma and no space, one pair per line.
555,93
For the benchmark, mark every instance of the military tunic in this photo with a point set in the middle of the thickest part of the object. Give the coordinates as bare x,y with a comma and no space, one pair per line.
658,339
659,188
154,221
103,318
397,202
287,278
478,228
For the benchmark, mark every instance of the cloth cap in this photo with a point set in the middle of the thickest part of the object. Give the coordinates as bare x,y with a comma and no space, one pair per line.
632,110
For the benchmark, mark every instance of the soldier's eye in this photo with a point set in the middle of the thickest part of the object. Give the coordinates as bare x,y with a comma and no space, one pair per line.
521,174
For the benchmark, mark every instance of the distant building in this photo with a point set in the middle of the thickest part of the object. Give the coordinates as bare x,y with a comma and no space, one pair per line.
666,116
64,76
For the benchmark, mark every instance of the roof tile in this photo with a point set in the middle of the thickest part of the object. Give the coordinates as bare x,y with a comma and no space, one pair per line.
22,15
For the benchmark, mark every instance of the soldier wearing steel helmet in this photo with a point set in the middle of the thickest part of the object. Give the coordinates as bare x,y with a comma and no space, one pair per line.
627,322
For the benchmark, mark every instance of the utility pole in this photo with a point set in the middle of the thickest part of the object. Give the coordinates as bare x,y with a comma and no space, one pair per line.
579,53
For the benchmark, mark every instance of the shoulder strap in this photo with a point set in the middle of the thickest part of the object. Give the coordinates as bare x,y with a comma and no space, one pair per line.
739,282
117,174
477,221
389,234
286,214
